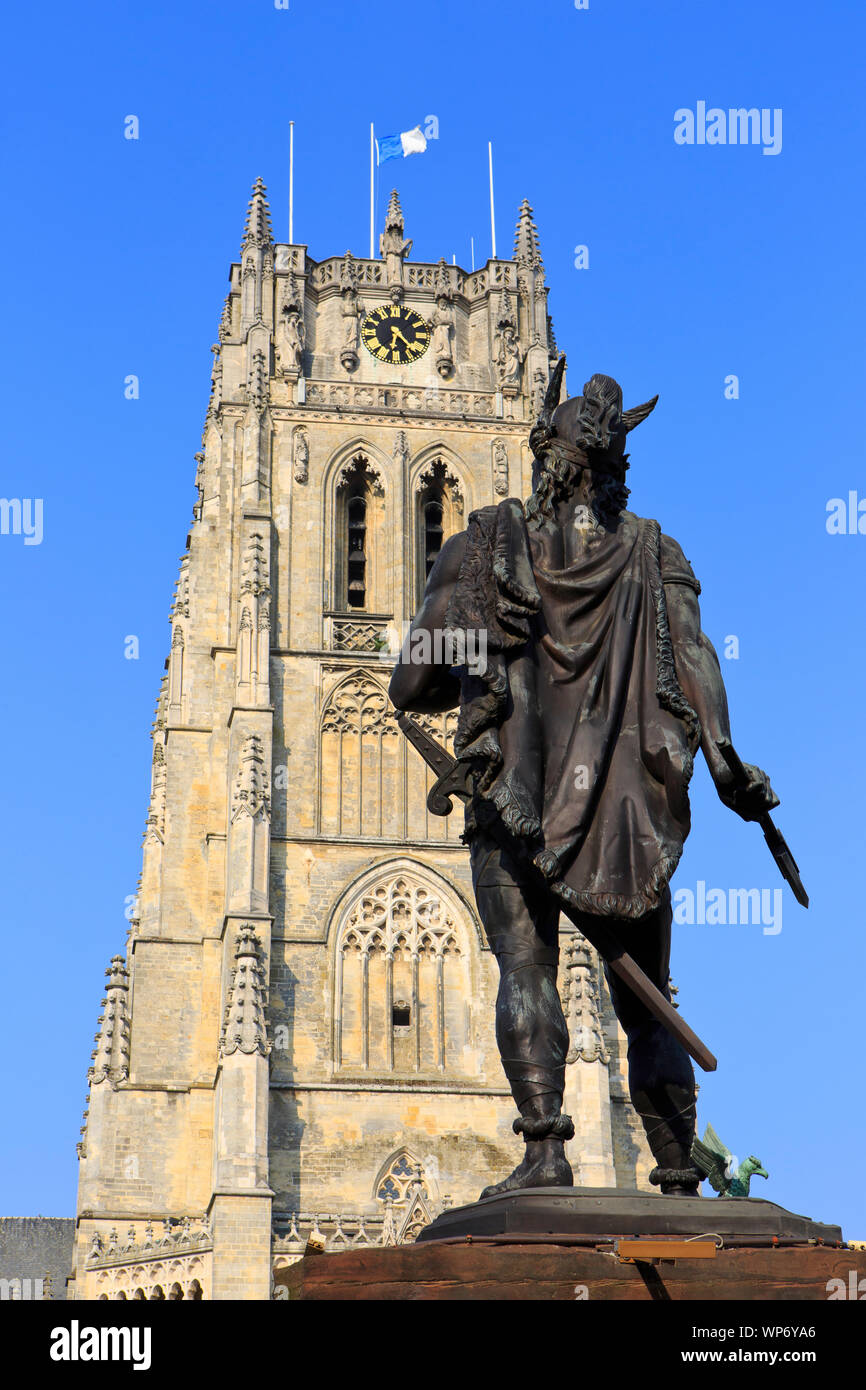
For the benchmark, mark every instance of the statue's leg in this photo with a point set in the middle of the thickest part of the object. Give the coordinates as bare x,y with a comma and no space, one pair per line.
660,1075
522,927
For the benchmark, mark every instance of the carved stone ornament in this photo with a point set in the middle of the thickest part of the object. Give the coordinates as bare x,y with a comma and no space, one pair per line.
251,792
300,455
500,468
244,1028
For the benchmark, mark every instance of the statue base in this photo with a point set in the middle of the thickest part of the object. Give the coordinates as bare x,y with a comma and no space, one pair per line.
610,1213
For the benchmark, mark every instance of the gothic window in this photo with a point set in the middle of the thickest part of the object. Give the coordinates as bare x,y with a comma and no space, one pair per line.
401,981
439,512
357,525
403,1188
360,761
397,1179
372,784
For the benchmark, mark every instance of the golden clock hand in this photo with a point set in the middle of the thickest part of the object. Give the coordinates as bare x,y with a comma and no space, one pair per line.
395,333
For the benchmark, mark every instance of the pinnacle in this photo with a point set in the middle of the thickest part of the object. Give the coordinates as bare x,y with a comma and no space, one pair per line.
526,245
395,212
257,229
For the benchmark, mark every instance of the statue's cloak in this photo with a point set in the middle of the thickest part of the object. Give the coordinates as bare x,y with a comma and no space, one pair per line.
579,735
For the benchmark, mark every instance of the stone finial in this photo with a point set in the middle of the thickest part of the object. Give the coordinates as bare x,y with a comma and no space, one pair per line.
443,288
348,274
215,400
111,1057
394,215
581,1004
251,794
394,248
257,385
552,349
156,811
257,229
526,247
180,604
244,1028
159,709
254,569
225,327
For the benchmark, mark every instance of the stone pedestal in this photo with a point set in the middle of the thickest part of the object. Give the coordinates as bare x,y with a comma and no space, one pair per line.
604,1213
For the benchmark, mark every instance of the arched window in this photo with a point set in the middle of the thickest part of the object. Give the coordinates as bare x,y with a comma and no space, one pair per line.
404,1189
402,981
371,782
439,514
360,760
355,531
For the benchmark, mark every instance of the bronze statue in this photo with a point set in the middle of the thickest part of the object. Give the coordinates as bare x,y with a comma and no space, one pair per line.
575,747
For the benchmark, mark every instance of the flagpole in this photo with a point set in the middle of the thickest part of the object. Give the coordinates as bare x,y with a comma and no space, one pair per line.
291,183
372,144
492,220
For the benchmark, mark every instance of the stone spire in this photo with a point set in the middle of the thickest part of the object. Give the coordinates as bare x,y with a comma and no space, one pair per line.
526,248
244,1028
111,1056
394,215
257,230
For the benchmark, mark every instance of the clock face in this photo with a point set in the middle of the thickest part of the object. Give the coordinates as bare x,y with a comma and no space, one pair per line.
395,334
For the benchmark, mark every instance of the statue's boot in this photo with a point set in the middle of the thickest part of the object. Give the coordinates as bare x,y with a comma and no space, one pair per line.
662,1087
537,1081
544,1163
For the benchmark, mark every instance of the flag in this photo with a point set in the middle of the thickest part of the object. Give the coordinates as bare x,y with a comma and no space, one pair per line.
395,146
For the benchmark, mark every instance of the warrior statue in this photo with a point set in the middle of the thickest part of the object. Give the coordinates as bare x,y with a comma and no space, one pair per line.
579,735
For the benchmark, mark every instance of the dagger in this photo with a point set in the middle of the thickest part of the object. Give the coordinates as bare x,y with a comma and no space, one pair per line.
776,841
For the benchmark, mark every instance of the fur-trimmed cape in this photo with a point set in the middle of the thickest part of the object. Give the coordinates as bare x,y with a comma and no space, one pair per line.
579,734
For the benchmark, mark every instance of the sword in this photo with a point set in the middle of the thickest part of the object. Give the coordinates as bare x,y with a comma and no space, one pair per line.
454,778
772,834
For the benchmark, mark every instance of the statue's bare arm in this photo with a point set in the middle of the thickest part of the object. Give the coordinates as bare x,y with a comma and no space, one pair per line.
425,686
700,678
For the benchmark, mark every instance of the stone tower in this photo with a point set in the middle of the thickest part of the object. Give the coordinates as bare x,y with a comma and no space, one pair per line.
299,1040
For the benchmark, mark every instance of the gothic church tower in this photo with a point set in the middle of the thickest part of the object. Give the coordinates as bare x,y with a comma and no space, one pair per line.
299,1039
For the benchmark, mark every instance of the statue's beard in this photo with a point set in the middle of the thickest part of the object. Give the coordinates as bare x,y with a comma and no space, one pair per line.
557,481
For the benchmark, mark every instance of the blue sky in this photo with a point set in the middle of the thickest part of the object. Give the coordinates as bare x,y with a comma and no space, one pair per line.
705,261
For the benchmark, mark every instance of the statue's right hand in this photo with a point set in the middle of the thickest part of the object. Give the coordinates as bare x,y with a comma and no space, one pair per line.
752,801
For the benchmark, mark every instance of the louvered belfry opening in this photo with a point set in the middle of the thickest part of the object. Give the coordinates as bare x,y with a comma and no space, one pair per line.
356,556
435,521
354,532
433,533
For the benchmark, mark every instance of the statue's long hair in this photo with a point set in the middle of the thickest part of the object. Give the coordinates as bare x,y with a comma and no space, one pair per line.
558,478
